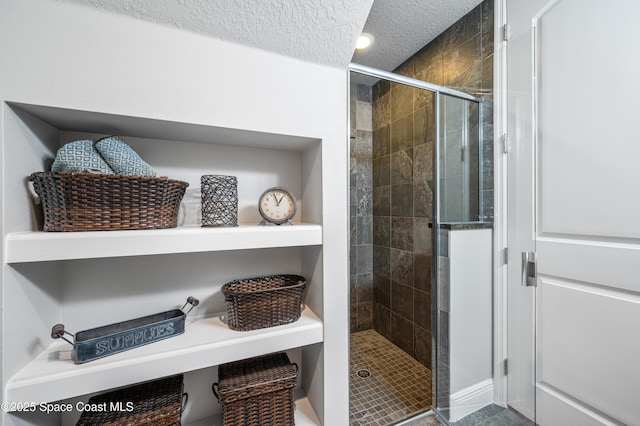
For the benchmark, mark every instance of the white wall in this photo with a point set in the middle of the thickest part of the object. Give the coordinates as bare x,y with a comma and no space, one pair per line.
75,57
470,323
62,55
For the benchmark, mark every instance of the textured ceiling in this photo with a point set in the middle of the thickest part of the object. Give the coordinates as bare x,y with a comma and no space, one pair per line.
320,31
401,28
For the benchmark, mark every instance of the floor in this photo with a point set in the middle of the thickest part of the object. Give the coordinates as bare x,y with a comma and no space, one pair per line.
399,387
492,415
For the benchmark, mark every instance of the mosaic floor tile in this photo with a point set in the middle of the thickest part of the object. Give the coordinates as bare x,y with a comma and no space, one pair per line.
398,386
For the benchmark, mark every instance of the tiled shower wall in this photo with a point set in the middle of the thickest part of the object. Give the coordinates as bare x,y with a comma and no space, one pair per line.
361,216
402,194
403,145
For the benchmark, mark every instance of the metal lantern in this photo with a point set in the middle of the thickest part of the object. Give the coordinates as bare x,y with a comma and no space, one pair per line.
219,200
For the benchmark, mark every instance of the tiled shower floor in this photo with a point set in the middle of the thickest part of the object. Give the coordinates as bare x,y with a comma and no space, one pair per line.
398,387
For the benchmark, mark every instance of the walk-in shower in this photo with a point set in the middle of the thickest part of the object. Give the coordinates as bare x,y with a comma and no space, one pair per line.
416,203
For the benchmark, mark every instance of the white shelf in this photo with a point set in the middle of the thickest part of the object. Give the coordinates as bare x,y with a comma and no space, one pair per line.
206,342
304,414
48,246
96,122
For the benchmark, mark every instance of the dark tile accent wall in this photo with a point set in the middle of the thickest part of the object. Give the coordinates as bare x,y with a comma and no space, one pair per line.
403,138
403,125
361,209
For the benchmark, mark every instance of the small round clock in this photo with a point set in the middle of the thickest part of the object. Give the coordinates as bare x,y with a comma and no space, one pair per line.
277,205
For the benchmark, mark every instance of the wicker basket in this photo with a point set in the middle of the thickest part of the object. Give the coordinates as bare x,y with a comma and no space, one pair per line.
262,302
98,202
156,403
257,391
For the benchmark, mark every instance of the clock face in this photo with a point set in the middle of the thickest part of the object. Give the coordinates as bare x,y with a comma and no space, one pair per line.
277,205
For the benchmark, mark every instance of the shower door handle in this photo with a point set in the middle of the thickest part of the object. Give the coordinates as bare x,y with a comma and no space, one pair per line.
529,273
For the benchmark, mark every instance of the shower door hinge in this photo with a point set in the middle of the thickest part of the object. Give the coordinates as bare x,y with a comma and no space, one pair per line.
506,255
505,367
506,143
505,32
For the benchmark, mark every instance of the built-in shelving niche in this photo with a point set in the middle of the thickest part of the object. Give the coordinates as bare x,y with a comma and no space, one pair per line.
89,279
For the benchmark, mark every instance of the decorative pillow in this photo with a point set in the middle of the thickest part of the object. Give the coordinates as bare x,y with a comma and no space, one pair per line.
122,159
79,156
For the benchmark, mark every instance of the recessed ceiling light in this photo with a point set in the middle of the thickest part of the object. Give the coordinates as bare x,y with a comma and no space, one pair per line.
364,41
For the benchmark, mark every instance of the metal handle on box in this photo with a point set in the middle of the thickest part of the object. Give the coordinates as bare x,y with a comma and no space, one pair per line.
58,332
190,301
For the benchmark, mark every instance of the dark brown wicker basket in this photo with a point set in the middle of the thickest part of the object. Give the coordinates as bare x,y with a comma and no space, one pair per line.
156,403
257,391
98,202
262,302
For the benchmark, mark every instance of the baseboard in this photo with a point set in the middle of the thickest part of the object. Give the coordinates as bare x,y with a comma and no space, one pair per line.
471,399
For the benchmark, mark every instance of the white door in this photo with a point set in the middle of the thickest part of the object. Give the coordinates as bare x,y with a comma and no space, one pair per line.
574,198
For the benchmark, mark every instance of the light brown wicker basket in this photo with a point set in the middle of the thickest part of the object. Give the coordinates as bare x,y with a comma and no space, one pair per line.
99,202
156,403
257,391
262,302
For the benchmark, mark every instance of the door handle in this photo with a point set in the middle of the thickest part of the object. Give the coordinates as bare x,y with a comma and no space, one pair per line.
529,259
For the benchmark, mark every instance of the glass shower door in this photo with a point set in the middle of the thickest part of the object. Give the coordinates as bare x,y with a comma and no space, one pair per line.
427,238
391,163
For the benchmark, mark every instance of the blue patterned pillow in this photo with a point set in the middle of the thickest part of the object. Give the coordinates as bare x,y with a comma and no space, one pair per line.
122,159
79,156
